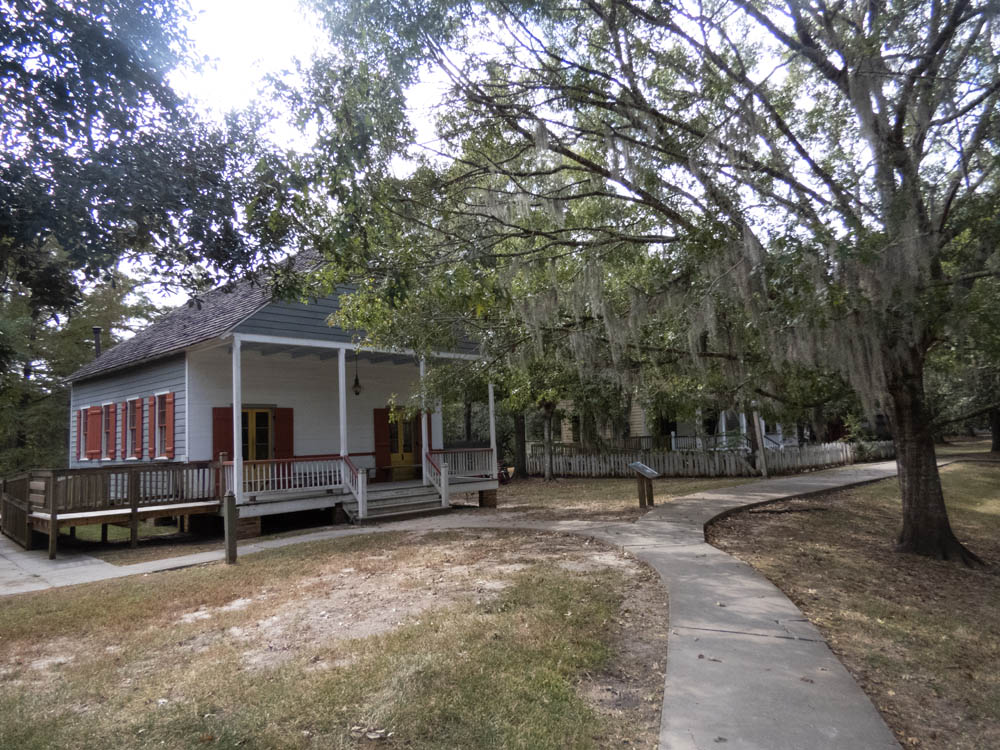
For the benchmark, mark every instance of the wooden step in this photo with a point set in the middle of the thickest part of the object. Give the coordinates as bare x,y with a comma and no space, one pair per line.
397,505
401,492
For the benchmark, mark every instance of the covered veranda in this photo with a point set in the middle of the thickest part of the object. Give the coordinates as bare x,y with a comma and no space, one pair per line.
371,479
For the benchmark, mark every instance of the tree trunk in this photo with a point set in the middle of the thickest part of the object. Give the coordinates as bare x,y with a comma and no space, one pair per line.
520,446
995,429
752,439
547,441
926,530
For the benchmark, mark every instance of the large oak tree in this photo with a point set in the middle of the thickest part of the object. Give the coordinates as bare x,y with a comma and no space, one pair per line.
821,177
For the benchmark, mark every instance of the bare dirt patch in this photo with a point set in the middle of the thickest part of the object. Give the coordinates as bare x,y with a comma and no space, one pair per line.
319,618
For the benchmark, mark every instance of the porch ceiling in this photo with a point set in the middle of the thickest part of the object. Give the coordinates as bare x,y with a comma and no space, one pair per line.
298,352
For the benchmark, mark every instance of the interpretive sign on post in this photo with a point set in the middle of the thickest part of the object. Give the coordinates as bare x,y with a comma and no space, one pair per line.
645,477
641,468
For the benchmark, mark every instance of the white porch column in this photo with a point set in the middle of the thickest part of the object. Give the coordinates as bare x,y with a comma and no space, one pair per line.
493,428
722,427
781,438
743,423
424,447
237,419
342,398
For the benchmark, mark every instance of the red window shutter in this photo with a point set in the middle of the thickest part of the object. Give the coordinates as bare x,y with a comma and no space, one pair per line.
113,432
284,433
382,447
152,426
79,433
94,432
123,412
222,432
137,448
168,440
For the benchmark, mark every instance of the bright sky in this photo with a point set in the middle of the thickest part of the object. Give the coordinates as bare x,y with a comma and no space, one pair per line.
246,40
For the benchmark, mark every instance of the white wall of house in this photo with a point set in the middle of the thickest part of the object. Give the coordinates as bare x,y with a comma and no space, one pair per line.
637,421
308,386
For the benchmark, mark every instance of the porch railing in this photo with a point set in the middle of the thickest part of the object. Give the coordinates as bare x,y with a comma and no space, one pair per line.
288,475
473,463
357,482
437,473
82,490
51,494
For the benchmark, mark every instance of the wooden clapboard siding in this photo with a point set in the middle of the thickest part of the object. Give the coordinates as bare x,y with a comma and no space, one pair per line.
297,320
144,381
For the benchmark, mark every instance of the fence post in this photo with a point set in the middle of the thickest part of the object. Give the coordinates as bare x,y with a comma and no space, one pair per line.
762,455
229,513
133,501
50,489
444,485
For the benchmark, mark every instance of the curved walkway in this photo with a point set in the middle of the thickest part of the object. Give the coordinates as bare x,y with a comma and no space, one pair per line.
745,669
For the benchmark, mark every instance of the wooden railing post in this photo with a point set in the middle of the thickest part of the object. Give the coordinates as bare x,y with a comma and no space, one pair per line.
133,499
444,485
229,514
50,501
362,494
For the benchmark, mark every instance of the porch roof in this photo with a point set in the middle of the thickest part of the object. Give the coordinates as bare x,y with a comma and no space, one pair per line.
304,349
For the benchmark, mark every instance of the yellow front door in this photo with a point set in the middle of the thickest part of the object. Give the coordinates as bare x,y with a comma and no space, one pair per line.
258,435
401,457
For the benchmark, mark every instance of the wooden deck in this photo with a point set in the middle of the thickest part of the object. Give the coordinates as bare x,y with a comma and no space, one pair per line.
48,500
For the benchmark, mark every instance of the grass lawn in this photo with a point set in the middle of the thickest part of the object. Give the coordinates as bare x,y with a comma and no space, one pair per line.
921,636
155,543
472,639
965,446
596,499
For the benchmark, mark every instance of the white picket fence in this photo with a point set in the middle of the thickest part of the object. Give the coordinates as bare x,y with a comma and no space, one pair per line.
713,463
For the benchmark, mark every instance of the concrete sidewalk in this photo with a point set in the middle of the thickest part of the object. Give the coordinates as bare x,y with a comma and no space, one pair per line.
745,669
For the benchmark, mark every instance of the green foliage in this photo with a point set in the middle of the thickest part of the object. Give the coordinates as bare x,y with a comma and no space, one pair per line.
34,398
103,161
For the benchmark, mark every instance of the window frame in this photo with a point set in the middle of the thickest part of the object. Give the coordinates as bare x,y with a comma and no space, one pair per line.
81,449
109,425
160,425
130,428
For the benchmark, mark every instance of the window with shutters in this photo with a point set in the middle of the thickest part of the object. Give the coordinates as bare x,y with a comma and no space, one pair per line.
131,430
161,425
108,425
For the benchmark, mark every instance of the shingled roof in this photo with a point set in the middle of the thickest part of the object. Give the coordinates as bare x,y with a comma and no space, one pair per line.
219,311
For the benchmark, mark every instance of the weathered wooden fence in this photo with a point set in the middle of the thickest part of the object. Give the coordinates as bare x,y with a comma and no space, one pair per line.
716,463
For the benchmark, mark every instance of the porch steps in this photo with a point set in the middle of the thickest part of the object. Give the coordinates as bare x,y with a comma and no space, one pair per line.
408,509
377,495
398,501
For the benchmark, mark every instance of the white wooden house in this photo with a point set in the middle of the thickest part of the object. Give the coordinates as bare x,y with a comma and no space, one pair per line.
313,418
725,430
